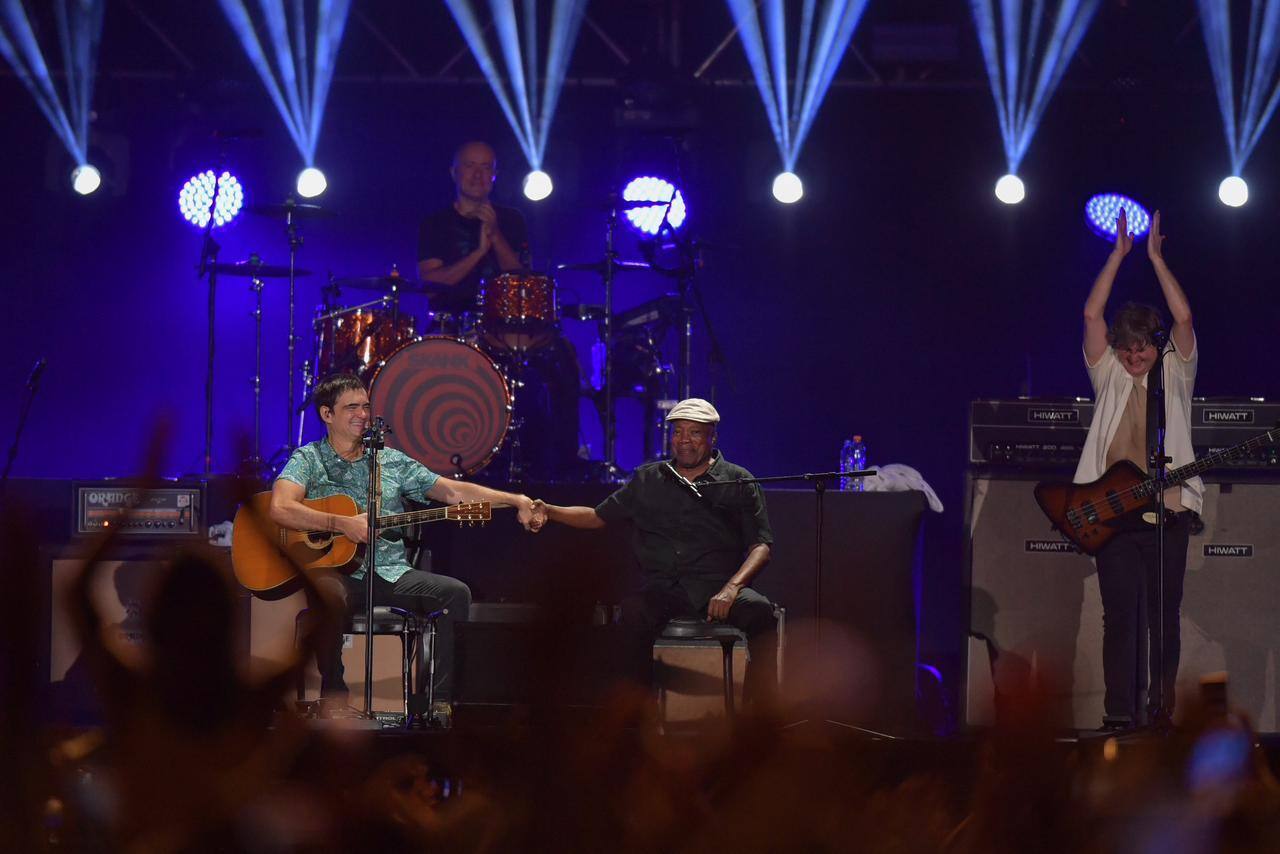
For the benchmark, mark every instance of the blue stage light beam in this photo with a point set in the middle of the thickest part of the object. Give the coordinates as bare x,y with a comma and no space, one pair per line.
1011,43
824,34
79,24
298,83
1243,122
528,110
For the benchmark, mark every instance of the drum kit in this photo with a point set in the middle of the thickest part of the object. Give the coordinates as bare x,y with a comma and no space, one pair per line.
447,387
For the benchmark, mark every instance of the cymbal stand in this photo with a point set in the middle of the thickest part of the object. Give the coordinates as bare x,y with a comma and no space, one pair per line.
610,425
515,461
295,241
208,267
254,463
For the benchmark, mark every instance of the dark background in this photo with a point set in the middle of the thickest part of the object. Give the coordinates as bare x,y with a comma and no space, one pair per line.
898,290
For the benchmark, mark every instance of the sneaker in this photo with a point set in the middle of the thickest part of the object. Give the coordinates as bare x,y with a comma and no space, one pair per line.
337,707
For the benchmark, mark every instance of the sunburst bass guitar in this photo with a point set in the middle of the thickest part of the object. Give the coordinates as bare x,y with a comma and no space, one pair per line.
261,550
1090,514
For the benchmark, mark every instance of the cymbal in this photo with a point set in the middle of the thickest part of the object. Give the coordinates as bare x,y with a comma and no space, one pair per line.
250,270
598,266
387,283
281,210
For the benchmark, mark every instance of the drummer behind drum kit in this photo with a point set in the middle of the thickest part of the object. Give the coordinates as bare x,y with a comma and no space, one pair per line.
447,395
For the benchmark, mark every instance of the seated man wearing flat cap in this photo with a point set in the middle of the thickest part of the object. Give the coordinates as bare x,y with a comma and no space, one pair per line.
697,548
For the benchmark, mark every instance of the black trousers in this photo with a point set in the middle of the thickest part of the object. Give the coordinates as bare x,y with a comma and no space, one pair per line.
416,591
658,601
1127,570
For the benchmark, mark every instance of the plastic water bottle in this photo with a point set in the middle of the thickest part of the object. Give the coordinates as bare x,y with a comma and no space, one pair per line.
846,464
853,457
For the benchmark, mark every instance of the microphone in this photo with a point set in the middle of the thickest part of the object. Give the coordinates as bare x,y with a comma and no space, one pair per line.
682,479
36,370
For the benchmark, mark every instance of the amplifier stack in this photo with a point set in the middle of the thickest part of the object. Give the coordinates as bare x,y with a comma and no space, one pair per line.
1035,613
1050,432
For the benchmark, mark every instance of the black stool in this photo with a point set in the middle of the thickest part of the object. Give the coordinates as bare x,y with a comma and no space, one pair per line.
689,629
387,620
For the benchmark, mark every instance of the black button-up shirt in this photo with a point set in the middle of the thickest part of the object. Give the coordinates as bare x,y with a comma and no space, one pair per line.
680,535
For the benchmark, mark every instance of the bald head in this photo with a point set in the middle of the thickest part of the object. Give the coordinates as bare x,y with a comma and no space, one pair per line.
475,164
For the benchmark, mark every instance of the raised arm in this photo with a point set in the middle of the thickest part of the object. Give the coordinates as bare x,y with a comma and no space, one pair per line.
1179,309
1095,307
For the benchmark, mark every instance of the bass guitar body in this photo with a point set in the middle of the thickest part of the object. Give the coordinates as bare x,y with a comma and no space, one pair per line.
262,552
1090,514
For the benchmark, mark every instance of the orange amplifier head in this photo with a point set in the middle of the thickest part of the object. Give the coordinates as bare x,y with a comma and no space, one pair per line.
170,511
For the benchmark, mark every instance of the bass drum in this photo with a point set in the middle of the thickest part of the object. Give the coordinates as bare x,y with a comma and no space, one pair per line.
448,405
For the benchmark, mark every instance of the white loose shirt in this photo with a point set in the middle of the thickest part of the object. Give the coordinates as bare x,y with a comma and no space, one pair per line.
1112,385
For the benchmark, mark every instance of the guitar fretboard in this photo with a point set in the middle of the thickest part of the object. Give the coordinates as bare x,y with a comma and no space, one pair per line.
1190,470
399,520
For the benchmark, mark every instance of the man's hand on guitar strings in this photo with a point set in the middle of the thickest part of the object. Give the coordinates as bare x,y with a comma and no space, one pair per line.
355,528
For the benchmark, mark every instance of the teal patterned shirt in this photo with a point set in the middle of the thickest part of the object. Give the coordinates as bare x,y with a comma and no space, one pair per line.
318,469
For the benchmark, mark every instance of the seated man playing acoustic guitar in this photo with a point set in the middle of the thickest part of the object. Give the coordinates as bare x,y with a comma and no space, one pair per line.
335,465
1119,359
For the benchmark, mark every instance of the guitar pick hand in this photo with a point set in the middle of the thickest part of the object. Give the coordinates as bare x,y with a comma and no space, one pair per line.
354,528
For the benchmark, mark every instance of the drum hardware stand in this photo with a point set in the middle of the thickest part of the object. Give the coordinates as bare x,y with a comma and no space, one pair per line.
515,463
254,463
611,472
295,241
208,264
374,440
308,384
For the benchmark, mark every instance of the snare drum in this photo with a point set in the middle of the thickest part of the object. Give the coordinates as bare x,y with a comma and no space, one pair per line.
362,337
446,402
518,310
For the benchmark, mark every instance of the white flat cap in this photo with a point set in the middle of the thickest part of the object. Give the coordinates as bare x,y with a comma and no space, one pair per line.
694,409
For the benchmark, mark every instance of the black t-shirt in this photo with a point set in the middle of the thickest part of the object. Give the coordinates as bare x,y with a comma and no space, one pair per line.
450,236
679,535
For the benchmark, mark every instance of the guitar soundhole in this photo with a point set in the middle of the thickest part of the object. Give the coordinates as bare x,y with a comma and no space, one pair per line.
319,539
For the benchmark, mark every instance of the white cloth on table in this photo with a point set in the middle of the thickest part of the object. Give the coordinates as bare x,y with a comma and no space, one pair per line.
896,477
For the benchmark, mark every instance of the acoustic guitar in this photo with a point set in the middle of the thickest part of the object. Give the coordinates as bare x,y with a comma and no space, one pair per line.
262,551
1090,514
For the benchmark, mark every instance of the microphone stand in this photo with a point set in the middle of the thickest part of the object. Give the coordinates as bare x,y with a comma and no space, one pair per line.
33,384
1161,716
819,481
374,440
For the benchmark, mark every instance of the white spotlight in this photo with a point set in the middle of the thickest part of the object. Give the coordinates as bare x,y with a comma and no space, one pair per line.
311,183
1233,191
1010,189
787,188
85,179
537,185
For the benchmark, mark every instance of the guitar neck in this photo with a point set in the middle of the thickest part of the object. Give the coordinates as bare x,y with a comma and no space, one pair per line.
1190,470
400,520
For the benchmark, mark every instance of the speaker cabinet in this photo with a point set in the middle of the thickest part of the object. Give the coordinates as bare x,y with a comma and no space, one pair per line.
1035,613
121,594
271,647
